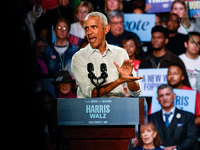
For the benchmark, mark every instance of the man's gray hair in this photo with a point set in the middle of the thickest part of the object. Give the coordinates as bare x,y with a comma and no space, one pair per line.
115,13
163,86
98,14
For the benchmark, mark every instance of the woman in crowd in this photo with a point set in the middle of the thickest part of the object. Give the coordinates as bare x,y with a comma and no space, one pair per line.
81,11
135,53
65,85
179,7
149,138
58,56
134,50
112,5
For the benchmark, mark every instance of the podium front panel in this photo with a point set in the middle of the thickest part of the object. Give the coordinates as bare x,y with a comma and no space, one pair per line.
97,111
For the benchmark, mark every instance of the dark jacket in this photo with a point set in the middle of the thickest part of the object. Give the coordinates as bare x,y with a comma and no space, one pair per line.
169,58
55,62
182,131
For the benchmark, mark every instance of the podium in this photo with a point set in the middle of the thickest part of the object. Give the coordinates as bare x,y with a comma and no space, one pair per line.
100,123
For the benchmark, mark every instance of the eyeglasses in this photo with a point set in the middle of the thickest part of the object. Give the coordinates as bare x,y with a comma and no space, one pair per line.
115,23
62,28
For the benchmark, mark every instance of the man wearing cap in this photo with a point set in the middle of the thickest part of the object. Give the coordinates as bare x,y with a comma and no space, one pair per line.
119,67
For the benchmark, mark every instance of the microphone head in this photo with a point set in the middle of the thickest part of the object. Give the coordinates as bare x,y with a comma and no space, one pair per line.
90,67
103,67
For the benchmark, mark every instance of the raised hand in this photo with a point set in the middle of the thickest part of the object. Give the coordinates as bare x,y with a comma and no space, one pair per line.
125,71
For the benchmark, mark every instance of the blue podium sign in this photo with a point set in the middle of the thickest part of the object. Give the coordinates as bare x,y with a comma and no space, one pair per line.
98,111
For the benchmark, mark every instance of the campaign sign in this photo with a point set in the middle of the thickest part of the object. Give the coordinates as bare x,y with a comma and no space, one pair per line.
151,78
159,6
193,7
185,100
97,111
141,24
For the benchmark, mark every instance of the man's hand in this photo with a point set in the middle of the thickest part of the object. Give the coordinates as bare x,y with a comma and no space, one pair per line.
125,71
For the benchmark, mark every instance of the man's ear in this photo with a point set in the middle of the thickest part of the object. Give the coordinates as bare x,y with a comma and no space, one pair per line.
185,44
174,95
182,77
158,100
166,40
106,29
154,134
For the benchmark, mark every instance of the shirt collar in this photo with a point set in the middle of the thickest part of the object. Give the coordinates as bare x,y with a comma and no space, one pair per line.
171,111
92,50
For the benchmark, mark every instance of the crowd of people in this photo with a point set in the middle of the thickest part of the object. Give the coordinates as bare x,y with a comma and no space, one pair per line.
59,41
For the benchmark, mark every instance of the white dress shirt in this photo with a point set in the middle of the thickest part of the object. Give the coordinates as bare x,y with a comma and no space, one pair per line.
89,55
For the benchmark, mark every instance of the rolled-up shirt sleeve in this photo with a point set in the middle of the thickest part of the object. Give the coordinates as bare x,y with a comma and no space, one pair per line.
135,93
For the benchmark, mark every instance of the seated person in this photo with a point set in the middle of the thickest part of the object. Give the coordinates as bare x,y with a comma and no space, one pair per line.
176,128
175,78
149,138
65,85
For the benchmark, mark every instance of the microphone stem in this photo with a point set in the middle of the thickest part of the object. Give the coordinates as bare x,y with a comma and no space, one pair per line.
98,88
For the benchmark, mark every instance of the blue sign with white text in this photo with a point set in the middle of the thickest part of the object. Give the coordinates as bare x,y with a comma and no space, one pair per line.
158,6
141,24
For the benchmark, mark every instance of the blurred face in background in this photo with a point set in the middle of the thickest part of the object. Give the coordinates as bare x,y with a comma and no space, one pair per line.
130,47
112,4
172,23
147,134
65,88
39,49
116,26
178,9
138,11
175,76
191,47
158,40
61,31
63,2
82,13
158,21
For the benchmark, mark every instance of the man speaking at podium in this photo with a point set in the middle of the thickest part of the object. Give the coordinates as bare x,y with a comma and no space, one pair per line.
98,51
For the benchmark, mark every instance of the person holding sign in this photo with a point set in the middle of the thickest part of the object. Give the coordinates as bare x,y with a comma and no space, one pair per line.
119,67
175,78
176,127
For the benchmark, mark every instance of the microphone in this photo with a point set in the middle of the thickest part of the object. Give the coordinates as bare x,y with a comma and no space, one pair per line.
103,68
90,67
